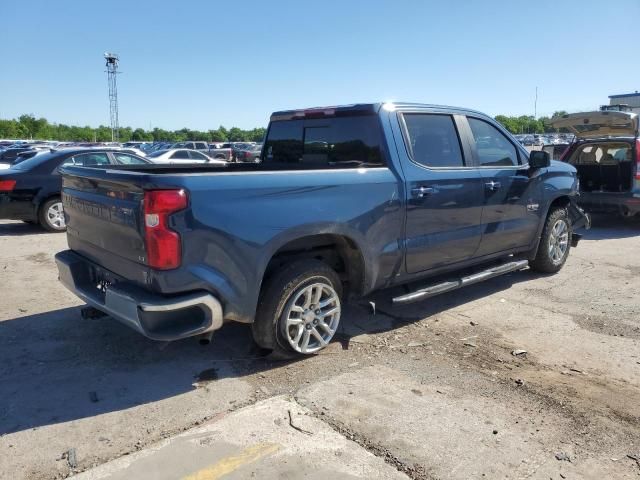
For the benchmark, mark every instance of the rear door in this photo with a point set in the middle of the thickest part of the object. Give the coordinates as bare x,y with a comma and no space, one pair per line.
444,192
511,215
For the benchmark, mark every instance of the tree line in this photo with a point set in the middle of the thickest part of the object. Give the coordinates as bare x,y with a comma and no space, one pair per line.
529,124
29,127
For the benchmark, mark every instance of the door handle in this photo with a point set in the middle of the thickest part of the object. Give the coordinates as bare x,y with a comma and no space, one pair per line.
420,192
493,186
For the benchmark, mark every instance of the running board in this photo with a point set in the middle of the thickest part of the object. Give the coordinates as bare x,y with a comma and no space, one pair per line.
461,282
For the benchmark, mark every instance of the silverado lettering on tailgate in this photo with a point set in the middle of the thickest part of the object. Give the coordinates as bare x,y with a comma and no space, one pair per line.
112,213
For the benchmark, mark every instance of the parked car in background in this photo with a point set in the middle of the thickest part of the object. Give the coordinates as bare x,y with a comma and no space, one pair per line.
218,152
527,140
249,154
606,154
182,155
555,150
345,201
30,190
237,147
200,146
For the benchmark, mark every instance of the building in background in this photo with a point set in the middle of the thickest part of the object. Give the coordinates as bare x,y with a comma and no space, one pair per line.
626,102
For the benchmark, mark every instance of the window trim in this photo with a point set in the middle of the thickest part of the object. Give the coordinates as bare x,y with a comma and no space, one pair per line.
407,141
474,148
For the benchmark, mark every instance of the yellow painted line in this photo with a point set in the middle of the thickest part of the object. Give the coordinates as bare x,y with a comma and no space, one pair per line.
233,462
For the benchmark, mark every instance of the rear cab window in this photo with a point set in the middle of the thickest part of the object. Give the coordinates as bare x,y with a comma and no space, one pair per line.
324,143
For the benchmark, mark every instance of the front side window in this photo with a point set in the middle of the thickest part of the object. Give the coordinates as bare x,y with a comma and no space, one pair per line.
197,156
492,146
343,142
433,140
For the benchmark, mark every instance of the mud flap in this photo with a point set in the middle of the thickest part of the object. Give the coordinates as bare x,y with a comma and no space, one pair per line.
579,218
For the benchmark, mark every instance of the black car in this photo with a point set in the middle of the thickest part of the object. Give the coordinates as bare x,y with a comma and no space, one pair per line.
30,190
10,154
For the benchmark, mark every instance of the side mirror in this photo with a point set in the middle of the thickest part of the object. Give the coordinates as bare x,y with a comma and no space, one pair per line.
539,159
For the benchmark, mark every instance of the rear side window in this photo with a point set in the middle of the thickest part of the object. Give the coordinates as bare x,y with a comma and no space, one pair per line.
347,142
91,159
433,140
180,155
127,159
492,146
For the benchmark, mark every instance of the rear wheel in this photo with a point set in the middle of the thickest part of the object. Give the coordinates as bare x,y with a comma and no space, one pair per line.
299,309
555,242
51,215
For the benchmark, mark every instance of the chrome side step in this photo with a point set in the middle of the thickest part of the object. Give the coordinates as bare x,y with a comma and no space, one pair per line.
448,286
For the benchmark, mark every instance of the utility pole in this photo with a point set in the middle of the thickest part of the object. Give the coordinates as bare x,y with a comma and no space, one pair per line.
535,106
112,71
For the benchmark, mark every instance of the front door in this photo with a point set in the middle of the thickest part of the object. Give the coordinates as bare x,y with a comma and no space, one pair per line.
511,213
444,193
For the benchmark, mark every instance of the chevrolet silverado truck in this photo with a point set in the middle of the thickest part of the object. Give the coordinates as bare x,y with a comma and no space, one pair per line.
344,201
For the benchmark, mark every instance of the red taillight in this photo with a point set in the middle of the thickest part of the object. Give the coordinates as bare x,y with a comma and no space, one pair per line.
7,185
164,248
638,159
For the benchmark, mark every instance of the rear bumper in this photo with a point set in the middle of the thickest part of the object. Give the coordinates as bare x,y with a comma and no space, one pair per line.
604,202
154,316
12,209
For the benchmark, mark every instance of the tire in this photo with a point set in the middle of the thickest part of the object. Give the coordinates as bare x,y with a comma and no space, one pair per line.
51,216
555,242
287,320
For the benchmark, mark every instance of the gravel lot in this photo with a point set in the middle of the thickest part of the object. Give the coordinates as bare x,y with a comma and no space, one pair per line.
432,389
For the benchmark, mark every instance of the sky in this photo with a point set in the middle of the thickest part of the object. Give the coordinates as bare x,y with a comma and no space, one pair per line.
202,64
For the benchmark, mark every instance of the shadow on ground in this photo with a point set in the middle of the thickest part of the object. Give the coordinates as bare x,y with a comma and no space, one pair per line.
18,228
56,367
611,227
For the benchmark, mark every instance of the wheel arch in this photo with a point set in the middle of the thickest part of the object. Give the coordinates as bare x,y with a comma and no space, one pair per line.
341,252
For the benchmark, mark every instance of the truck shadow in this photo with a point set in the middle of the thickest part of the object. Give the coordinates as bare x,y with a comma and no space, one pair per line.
10,228
56,367
611,227
389,316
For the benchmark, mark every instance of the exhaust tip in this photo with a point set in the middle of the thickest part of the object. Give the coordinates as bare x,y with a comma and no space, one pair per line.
205,338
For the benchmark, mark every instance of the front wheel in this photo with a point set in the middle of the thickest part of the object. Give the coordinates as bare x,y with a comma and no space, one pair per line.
555,242
299,309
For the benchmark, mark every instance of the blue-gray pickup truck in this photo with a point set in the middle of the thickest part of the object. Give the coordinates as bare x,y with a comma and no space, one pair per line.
344,201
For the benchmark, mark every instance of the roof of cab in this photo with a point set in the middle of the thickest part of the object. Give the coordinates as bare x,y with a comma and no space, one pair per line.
362,109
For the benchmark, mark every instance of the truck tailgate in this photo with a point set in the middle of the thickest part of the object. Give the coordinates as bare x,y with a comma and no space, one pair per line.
105,221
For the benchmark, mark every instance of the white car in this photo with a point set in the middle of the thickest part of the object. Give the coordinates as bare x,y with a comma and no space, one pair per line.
181,155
